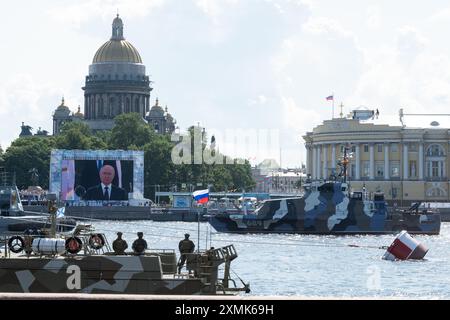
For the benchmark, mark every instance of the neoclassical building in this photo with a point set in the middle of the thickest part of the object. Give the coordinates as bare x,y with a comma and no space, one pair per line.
407,164
117,83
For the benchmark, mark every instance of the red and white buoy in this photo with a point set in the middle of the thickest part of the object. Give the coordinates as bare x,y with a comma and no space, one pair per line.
405,247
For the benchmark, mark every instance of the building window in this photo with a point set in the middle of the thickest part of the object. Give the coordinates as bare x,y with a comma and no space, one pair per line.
366,168
435,150
379,169
394,147
379,148
366,148
352,170
353,149
394,192
412,169
435,169
395,168
436,192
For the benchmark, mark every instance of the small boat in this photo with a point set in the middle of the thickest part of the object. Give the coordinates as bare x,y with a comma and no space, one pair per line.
330,208
83,262
14,219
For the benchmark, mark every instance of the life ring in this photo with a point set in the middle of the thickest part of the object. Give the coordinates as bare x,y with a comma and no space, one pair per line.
96,241
16,244
73,245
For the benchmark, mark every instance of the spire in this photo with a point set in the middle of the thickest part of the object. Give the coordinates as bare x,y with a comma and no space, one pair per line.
117,29
157,102
62,101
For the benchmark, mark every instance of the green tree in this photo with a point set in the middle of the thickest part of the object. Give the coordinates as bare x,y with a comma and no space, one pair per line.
159,168
241,175
1,156
78,135
130,129
104,136
27,153
74,135
221,176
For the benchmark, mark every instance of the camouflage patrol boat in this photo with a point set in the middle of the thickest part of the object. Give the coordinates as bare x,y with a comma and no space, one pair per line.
328,207
14,219
83,262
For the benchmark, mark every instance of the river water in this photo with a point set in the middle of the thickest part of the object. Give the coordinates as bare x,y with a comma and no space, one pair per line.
313,266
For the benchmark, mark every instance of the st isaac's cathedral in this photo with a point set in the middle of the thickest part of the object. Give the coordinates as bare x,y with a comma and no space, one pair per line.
116,84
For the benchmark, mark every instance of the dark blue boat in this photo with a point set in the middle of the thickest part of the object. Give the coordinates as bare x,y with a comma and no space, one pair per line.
328,207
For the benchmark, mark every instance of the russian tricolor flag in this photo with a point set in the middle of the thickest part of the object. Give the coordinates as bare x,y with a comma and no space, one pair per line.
201,196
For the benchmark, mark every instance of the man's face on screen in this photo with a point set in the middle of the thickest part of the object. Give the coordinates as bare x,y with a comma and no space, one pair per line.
107,174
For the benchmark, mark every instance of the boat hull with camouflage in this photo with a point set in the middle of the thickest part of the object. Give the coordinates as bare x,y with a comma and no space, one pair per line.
108,273
328,208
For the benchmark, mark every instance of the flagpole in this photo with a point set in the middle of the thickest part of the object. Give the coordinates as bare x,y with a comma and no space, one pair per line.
332,116
198,230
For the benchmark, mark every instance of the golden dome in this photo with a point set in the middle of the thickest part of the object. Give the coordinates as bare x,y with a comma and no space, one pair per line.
117,49
78,114
62,106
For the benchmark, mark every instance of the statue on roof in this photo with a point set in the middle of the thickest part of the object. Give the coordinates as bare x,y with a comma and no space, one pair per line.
26,130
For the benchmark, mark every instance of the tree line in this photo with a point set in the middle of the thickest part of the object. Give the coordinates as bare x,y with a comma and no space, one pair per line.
130,132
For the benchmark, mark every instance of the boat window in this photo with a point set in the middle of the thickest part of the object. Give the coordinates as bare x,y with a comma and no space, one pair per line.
328,187
343,188
357,195
378,197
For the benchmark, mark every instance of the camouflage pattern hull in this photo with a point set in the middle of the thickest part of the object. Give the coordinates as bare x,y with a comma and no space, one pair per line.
95,274
327,209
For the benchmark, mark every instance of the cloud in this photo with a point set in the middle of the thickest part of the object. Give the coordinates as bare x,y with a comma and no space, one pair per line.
84,10
410,42
311,65
259,100
325,26
405,75
373,17
25,99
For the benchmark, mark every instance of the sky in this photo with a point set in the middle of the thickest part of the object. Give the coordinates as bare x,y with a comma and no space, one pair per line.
259,66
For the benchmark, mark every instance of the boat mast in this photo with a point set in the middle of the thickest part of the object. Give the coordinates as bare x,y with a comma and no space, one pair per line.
345,163
52,209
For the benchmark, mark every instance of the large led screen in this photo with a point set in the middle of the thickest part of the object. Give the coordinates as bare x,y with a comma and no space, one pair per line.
97,175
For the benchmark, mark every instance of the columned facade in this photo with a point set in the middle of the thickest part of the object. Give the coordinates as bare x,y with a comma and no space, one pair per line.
421,176
318,165
357,162
371,162
333,158
386,162
117,82
325,161
407,164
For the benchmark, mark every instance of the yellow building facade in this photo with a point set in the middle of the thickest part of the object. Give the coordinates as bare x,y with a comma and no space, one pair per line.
407,164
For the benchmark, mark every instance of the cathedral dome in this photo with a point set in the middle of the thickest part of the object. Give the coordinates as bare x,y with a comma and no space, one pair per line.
156,111
117,49
62,109
78,114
